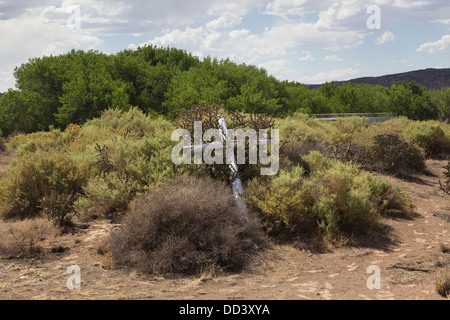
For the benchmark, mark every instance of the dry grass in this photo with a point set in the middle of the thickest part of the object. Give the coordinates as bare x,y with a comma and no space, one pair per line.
443,282
21,238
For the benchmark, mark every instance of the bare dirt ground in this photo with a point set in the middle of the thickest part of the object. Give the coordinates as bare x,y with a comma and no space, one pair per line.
407,256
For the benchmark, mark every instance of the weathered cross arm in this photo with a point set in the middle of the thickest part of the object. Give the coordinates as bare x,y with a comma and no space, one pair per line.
231,161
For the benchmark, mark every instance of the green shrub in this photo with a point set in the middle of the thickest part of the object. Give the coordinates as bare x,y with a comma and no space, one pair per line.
2,142
282,203
100,166
337,199
185,226
39,175
390,154
126,168
57,207
26,149
132,123
105,194
300,128
317,161
431,137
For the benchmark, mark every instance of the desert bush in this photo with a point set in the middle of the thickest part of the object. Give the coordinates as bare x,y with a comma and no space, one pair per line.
2,142
105,194
445,185
317,161
132,123
39,175
443,282
389,200
342,200
282,203
431,137
185,226
57,207
300,128
335,200
390,154
99,166
21,238
209,115
126,168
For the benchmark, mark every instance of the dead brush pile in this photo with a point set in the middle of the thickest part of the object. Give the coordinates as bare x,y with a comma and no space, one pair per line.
186,226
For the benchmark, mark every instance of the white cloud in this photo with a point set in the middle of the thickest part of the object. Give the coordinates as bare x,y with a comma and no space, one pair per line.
211,27
333,58
279,68
332,75
386,37
284,8
444,21
235,7
410,4
224,22
114,17
28,37
308,57
442,45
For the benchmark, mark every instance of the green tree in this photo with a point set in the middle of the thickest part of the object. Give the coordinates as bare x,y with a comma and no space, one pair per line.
441,99
23,111
193,87
91,89
412,100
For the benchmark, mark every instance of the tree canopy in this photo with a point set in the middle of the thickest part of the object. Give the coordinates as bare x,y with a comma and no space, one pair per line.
79,85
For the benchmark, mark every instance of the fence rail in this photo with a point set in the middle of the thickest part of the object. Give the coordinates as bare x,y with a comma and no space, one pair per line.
373,117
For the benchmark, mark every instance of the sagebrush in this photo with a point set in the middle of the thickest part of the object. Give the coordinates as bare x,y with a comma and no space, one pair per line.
186,226
22,238
336,199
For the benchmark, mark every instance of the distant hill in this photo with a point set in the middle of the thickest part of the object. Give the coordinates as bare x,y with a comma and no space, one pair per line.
430,78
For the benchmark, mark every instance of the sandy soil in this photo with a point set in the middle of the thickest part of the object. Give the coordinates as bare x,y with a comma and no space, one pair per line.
408,258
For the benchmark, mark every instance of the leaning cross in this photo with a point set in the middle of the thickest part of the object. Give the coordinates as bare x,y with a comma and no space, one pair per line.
234,174
231,161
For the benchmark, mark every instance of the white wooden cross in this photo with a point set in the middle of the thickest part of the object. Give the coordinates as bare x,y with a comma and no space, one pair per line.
231,161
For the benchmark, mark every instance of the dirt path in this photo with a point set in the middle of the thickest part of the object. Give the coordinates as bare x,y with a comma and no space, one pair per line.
408,260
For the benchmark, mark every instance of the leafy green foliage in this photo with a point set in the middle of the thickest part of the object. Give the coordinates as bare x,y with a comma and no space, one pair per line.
39,175
78,86
431,137
94,169
393,155
441,98
336,199
2,143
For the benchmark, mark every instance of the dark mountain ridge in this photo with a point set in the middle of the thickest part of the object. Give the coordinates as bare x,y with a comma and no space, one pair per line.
429,78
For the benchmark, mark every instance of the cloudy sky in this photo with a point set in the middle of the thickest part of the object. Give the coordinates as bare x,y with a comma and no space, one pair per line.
309,41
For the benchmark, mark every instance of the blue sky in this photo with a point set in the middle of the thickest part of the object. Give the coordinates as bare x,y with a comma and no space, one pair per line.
309,41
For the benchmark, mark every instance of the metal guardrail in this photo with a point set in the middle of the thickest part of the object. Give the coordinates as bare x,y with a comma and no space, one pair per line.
373,117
